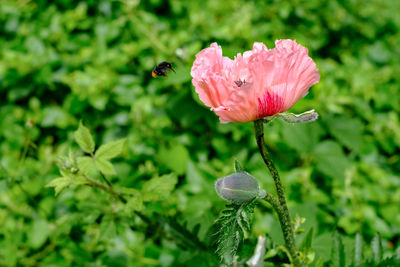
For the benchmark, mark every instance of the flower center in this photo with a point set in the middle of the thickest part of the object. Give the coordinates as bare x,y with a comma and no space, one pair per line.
269,104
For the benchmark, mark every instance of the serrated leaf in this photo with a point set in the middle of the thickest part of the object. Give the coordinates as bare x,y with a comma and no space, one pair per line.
337,256
105,166
86,164
79,180
84,138
358,246
65,173
60,184
159,188
110,150
107,229
234,224
185,237
135,203
128,191
238,166
376,245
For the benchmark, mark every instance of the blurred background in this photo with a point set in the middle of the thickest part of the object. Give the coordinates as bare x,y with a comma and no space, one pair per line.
67,60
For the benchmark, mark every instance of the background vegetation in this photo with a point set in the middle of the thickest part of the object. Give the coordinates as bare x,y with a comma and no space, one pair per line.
65,61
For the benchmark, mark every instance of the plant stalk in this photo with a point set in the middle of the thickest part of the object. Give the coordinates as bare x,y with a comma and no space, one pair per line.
102,175
281,209
107,188
152,225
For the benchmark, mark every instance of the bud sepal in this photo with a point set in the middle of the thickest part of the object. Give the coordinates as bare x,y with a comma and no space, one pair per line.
308,116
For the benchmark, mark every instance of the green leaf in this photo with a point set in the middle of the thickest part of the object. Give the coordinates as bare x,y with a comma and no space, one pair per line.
107,229
195,182
110,150
159,188
84,138
86,164
330,159
135,203
238,166
185,237
174,157
306,243
306,247
387,262
60,184
347,130
337,255
38,233
105,166
358,246
376,245
302,137
234,224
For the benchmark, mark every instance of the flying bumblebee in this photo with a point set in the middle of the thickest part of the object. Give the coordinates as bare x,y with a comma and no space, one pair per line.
161,69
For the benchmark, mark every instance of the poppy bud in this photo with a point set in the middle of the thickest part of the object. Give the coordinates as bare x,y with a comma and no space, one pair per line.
239,188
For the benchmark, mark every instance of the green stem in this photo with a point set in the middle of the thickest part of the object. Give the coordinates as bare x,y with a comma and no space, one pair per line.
101,174
183,234
106,188
272,201
280,205
109,189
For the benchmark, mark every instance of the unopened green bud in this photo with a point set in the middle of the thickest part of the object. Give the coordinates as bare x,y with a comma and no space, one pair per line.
239,188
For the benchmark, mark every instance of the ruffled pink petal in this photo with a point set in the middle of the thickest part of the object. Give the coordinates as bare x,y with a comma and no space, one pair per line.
260,83
299,71
242,107
209,76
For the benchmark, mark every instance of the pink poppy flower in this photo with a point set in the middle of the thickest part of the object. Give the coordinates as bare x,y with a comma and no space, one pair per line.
259,83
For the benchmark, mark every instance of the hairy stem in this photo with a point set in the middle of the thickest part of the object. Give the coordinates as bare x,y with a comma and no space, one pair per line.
272,200
279,205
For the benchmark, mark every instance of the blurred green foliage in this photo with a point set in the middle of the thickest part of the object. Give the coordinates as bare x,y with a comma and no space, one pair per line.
68,60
